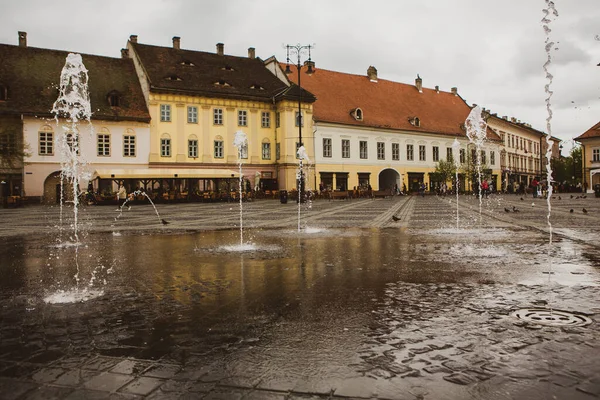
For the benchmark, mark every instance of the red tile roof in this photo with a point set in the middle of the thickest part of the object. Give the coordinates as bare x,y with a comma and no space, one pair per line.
593,132
385,104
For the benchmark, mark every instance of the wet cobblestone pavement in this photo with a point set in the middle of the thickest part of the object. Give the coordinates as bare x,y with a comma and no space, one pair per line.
356,305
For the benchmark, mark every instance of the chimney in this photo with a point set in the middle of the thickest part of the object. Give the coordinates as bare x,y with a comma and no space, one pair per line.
505,117
251,52
372,73
513,119
22,39
437,89
419,84
124,53
176,42
133,38
454,91
220,49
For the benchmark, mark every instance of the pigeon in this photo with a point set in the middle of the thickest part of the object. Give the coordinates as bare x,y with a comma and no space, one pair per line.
584,197
560,198
515,209
532,204
506,210
396,219
521,199
571,211
571,196
584,211
164,222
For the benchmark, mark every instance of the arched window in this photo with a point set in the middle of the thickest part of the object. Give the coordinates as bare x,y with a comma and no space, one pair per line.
193,146
114,99
165,145
46,141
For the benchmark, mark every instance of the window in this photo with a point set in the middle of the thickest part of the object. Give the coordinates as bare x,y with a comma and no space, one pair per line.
242,118
410,152
492,158
218,149
165,147
462,156
380,150
297,148
277,119
266,151
326,147
243,151
483,159
421,152
299,119
114,99
278,151
357,114
473,155
46,143
165,112
436,154
345,148
449,154
595,155
218,116
363,149
396,151
193,148
192,115
103,145
8,144
265,119
129,146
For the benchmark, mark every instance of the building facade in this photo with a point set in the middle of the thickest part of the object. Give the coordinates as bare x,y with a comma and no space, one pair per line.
374,132
118,136
199,101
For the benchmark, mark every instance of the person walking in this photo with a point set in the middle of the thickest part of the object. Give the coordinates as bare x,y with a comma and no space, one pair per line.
121,196
485,186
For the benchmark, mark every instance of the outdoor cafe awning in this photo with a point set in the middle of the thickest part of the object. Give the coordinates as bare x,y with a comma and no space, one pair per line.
164,173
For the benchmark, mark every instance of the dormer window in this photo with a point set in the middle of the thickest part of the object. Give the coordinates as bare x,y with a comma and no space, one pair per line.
3,93
357,114
173,78
114,99
415,121
222,83
228,68
256,86
188,63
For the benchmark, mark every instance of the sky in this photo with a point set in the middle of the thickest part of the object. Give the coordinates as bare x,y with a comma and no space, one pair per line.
492,51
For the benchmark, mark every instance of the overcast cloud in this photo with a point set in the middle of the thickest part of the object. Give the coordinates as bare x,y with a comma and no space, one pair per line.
493,51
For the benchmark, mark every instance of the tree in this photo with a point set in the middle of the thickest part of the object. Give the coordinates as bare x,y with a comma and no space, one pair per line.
445,170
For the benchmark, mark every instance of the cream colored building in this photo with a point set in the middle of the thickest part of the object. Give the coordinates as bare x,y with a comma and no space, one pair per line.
590,157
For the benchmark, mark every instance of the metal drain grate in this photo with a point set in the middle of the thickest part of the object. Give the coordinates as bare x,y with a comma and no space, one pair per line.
545,316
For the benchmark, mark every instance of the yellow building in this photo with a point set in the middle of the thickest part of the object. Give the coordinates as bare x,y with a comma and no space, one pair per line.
198,102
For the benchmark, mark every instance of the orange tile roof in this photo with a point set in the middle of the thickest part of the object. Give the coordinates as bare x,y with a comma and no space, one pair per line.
385,104
593,132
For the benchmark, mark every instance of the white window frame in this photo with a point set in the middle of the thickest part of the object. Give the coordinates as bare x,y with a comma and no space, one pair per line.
327,148
218,149
265,119
345,148
242,118
193,148
363,149
165,147
381,150
46,143
192,115
596,154
103,144
410,152
422,153
218,116
301,118
436,153
396,151
165,113
266,151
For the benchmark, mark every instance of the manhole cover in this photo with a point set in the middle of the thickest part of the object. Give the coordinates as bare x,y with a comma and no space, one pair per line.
546,316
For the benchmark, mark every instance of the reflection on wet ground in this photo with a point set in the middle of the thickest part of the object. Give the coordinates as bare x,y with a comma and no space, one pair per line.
386,310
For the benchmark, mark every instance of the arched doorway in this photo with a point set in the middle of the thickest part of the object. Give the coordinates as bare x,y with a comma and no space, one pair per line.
52,189
388,179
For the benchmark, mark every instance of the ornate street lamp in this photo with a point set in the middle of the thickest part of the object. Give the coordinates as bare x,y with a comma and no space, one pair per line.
299,50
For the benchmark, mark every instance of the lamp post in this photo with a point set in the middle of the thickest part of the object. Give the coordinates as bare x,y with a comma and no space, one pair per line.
299,50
